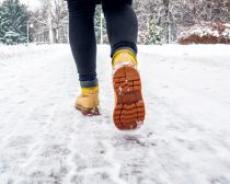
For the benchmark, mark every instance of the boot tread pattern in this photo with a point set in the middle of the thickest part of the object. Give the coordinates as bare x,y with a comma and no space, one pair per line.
129,112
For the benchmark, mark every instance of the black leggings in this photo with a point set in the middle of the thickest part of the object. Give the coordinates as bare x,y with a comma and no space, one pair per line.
122,28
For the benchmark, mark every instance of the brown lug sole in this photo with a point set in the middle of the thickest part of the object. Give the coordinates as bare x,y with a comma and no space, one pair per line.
129,112
88,111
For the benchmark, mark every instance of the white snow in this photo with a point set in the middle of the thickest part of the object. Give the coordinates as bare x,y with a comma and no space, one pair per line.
185,139
205,29
32,5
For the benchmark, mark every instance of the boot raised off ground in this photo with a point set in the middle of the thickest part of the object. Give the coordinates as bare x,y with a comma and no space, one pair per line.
129,111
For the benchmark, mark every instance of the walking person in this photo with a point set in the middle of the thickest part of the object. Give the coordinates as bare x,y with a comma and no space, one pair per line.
122,29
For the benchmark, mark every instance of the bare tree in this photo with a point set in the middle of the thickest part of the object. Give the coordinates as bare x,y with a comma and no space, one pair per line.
49,21
58,17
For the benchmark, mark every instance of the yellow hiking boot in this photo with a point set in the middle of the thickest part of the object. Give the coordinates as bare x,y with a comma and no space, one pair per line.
88,101
129,111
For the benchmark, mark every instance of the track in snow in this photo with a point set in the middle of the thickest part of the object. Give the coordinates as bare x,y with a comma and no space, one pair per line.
186,137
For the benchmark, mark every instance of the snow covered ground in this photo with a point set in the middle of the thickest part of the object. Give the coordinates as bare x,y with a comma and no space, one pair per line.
185,140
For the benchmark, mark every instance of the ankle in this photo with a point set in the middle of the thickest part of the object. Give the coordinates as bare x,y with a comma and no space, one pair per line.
88,83
124,56
89,90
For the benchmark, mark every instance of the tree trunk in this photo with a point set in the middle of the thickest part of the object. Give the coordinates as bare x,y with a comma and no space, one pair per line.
166,21
50,26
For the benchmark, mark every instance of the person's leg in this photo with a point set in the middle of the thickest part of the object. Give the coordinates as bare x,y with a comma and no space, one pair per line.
83,46
82,39
122,25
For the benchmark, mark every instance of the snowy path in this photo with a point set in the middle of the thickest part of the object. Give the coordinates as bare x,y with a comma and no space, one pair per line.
185,140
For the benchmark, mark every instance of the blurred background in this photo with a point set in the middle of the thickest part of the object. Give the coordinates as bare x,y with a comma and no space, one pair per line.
186,136
160,21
